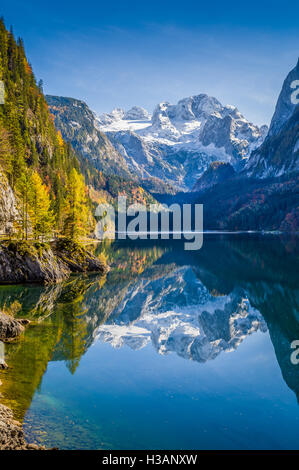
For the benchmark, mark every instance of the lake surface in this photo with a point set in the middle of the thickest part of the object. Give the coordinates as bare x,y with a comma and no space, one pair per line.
172,350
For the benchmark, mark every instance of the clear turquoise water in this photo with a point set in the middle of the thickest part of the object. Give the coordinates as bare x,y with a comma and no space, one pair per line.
172,351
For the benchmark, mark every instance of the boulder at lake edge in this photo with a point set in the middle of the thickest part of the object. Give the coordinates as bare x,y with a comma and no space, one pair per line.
25,262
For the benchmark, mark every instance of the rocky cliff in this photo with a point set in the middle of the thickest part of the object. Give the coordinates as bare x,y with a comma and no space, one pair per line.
22,262
9,212
279,154
218,172
106,170
78,125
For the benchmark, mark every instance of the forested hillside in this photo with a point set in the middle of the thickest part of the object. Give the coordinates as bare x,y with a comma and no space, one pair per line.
105,169
41,168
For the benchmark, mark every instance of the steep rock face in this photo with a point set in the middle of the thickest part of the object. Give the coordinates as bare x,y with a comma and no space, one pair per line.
279,154
217,172
9,212
179,141
286,103
78,125
22,262
77,258
146,159
232,134
105,166
19,263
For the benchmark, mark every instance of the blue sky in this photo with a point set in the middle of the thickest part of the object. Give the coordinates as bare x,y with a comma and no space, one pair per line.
120,54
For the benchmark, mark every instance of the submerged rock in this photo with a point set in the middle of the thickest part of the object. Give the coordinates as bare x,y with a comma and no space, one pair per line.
9,329
11,433
12,436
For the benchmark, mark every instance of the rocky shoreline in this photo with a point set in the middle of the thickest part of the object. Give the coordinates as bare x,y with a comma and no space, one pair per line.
12,436
25,262
45,263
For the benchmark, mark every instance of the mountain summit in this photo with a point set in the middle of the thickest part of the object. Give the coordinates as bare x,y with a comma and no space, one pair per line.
178,142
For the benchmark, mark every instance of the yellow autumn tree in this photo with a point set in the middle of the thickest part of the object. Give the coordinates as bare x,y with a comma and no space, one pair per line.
24,187
76,207
5,150
41,216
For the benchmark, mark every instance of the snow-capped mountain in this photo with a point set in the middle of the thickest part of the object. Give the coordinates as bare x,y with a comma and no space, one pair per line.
178,142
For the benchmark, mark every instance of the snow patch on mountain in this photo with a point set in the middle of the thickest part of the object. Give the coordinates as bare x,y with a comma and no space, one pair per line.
181,139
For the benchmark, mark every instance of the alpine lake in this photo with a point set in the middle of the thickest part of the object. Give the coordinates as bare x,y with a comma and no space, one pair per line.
173,349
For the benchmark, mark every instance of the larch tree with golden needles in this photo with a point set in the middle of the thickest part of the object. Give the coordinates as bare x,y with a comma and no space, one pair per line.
24,192
76,207
41,216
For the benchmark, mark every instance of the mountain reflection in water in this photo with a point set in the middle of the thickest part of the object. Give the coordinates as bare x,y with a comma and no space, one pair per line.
192,304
